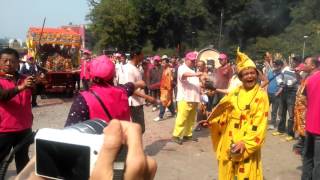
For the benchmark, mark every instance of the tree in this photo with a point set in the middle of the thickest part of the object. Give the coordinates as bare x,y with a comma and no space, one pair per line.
114,24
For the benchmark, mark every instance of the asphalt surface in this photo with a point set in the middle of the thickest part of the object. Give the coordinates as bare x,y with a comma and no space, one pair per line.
190,161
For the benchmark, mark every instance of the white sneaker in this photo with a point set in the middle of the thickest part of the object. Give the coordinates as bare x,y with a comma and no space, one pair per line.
271,127
171,115
154,109
158,119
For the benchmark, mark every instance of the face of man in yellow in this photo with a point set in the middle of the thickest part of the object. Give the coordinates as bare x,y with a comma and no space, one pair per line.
249,77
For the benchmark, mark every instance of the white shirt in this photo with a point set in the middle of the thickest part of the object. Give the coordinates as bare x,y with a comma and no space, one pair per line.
132,74
120,75
189,88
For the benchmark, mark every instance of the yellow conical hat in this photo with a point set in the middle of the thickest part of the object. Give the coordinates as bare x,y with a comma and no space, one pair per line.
243,61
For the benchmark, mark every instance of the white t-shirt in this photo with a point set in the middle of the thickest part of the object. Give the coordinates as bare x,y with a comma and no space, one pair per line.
189,88
132,74
120,75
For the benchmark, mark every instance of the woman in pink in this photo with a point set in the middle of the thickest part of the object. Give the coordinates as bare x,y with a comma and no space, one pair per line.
102,100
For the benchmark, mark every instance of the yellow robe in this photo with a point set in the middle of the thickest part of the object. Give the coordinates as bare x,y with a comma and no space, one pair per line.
240,116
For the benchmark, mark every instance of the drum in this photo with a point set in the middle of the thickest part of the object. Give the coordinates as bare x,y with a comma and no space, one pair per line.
208,55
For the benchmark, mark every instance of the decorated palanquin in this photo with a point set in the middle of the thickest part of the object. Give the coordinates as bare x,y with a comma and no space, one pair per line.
52,36
58,63
57,50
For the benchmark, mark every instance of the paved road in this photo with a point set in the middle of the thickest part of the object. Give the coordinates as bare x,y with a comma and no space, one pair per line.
190,161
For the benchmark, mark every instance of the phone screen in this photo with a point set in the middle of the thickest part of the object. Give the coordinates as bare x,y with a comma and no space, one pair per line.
61,160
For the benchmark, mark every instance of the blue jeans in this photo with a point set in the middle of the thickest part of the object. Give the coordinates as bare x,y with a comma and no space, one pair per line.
288,99
311,158
275,101
163,109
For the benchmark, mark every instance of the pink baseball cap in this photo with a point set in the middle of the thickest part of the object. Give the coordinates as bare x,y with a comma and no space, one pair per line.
86,51
102,67
30,57
301,67
157,58
191,55
223,56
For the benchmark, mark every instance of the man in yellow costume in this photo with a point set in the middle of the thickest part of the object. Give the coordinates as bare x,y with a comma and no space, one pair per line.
238,126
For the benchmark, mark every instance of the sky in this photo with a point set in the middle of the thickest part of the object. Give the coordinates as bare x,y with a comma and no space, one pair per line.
16,16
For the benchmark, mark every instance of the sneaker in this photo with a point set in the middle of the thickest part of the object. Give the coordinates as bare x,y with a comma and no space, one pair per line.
176,140
198,128
190,138
154,109
277,133
171,115
271,127
44,96
158,119
289,138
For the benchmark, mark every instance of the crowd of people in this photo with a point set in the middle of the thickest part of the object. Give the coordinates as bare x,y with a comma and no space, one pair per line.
232,100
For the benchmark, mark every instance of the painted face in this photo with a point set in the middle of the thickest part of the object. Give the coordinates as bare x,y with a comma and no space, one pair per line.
249,78
8,63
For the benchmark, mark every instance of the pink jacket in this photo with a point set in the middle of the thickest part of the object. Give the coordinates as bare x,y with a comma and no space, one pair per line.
15,114
115,99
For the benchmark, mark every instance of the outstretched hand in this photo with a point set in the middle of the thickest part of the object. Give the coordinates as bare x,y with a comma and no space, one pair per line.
138,165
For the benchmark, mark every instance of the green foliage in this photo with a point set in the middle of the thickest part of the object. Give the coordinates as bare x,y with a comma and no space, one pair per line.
114,24
254,25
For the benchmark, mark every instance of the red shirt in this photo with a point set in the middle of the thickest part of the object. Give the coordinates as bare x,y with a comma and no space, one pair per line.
15,114
313,104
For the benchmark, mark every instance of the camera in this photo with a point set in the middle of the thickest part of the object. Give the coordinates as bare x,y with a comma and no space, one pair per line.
71,153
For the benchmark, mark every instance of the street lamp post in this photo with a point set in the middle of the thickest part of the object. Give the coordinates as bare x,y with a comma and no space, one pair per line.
304,45
220,29
192,39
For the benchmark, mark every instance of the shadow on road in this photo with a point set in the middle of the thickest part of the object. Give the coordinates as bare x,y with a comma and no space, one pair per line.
205,132
154,148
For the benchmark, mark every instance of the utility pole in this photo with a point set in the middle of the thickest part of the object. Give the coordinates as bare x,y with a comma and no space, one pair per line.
304,45
192,39
220,31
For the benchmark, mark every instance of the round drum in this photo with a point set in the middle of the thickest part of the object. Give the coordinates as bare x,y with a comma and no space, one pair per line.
209,54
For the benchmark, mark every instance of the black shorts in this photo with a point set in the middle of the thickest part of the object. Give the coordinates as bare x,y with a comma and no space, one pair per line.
137,116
